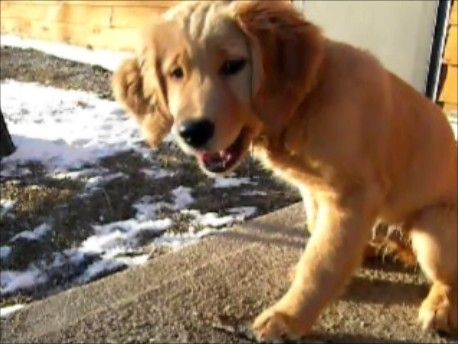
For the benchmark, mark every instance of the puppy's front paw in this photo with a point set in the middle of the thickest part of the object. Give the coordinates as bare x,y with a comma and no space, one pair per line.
437,313
273,324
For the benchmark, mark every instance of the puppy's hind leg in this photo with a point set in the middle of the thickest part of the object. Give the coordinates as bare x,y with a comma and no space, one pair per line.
434,239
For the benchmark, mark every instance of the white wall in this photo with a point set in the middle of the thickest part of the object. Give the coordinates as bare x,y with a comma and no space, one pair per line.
398,32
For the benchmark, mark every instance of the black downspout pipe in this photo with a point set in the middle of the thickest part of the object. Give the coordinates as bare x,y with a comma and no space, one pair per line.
435,61
6,144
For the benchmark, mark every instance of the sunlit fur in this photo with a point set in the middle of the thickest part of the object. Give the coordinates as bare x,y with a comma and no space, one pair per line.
359,143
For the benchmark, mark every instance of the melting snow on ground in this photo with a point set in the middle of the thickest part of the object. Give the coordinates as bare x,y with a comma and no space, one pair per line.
9,310
5,252
121,236
6,205
68,132
212,219
254,193
37,234
231,182
183,197
101,180
177,241
12,281
64,129
108,249
156,173
100,268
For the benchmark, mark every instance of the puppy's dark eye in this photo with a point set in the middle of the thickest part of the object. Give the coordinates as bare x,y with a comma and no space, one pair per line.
231,67
177,73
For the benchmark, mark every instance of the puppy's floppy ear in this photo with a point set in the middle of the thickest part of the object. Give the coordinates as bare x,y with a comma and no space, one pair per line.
286,54
144,100
128,88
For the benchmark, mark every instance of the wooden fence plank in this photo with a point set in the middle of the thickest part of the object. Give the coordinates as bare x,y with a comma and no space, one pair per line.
135,16
94,3
117,16
98,24
451,49
16,26
81,14
122,39
8,3
454,14
125,39
449,92
25,11
450,108
128,3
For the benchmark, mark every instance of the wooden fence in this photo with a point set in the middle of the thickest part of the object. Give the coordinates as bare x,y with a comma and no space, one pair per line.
449,94
111,25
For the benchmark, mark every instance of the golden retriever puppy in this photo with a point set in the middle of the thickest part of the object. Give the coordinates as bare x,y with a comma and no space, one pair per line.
361,145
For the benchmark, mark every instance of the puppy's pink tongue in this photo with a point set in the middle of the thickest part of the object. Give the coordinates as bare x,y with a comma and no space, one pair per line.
210,158
216,161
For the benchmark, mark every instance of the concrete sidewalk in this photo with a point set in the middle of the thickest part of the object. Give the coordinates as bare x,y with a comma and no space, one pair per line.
210,292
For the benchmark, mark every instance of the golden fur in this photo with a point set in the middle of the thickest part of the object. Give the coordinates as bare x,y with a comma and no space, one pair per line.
359,143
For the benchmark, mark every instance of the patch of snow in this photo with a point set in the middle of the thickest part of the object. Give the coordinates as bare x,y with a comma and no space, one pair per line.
37,234
178,241
8,170
134,260
67,259
55,154
120,237
243,212
254,193
109,60
62,266
80,174
231,182
5,252
213,220
147,209
132,226
9,310
52,126
100,181
100,269
156,173
12,281
6,206
183,197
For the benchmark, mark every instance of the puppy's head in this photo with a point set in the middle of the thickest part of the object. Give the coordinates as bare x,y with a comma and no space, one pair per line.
217,74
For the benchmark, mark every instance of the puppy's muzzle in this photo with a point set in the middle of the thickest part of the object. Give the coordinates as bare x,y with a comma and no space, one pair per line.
197,133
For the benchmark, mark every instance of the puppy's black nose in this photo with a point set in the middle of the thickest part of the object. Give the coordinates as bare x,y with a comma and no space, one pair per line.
197,133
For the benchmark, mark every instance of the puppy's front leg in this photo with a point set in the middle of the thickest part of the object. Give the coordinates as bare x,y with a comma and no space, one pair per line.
342,229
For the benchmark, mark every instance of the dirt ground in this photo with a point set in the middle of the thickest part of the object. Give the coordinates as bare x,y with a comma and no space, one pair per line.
33,66
41,197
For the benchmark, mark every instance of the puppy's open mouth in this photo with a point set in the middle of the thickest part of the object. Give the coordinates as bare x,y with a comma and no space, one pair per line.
226,159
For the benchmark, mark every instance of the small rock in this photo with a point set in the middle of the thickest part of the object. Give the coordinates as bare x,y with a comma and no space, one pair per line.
5,254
